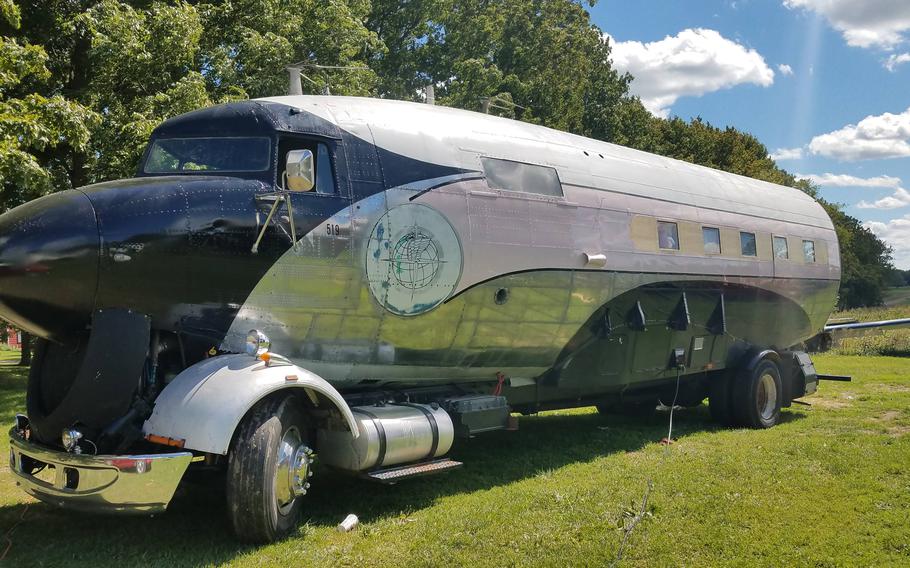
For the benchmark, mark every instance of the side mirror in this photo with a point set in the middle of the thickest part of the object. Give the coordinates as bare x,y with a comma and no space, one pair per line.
300,171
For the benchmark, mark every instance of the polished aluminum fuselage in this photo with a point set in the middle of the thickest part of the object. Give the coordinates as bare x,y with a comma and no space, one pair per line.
522,288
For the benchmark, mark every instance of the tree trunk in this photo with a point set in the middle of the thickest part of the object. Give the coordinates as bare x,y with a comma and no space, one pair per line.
26,358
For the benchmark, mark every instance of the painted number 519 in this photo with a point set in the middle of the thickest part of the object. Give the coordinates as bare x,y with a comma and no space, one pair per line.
333,230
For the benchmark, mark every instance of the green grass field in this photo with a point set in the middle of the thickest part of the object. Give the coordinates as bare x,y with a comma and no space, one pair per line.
893,342
830,486
897,296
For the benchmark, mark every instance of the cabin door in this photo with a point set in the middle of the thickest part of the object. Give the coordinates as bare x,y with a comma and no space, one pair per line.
321,273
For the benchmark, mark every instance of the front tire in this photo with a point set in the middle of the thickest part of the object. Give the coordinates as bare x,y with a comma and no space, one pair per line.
268,471
757,396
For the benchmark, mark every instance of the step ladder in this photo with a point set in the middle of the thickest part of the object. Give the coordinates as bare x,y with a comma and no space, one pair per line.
393,475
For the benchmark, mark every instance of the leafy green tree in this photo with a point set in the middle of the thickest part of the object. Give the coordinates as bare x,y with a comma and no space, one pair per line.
538,60
404,28
865,261
83,83
38,132
142,65
247,44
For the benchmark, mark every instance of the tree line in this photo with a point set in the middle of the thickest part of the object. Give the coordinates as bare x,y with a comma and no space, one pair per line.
84,82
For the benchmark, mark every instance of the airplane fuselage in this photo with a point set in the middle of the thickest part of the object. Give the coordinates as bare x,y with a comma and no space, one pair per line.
439,246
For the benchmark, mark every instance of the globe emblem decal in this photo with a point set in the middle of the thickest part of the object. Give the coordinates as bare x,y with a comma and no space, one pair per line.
413,259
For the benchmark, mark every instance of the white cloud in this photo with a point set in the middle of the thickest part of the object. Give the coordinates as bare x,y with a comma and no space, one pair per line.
691,63
785,69
896,60
895,233
875,137
900,198
841,180
787,154
864,23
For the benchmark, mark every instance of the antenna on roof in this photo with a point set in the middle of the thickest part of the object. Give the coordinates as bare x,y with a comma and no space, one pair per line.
295,87
498,101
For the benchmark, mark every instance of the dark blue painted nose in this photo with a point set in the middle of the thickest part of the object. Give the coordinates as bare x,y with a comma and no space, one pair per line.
49,251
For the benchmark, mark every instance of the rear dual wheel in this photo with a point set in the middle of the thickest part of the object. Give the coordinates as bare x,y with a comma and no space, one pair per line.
750,398
269,468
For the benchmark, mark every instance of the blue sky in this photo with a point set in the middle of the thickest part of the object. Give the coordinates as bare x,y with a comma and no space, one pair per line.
824,84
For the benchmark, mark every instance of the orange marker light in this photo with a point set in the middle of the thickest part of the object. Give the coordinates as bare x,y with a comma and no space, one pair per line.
265,357
165,441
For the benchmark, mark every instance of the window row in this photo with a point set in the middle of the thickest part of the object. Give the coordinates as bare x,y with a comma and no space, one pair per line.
668,239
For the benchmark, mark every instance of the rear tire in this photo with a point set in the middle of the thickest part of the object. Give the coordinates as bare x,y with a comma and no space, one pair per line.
268,471
757,396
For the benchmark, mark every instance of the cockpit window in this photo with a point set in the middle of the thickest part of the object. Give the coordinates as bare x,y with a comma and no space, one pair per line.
188,155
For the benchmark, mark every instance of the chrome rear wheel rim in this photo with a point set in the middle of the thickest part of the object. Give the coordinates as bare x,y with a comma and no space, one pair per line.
767,396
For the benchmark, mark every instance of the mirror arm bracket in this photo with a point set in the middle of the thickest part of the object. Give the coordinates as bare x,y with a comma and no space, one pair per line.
281,196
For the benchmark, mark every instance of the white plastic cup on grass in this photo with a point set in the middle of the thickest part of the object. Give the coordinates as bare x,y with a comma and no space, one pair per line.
348,524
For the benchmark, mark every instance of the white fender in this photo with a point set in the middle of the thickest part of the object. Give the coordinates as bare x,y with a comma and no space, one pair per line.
204,404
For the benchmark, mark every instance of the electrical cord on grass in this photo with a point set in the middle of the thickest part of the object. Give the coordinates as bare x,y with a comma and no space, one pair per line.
628,529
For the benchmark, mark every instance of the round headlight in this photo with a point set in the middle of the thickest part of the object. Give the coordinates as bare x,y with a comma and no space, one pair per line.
70,438
257,343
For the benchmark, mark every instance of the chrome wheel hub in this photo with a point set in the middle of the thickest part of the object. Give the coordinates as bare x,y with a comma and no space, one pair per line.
294,469
767,396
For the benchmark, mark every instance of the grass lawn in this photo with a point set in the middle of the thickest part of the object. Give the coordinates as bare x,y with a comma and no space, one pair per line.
888,342
828,487
897,296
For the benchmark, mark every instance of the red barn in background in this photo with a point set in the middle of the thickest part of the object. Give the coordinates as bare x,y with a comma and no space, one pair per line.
13,337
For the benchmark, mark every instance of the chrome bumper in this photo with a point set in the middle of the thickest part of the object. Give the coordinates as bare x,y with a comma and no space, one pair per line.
101,484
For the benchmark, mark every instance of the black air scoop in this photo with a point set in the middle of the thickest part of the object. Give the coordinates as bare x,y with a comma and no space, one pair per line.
49,264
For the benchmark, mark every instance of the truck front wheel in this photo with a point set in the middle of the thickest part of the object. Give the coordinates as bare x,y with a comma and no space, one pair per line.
268,471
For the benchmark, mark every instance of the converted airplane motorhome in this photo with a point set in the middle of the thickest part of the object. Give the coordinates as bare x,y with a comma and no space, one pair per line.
367,280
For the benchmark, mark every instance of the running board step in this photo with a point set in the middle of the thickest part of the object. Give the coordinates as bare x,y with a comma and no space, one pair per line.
395,474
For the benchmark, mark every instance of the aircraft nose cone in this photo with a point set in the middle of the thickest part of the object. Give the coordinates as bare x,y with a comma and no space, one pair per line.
49,264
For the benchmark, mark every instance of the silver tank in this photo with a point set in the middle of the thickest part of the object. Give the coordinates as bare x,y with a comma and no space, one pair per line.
389,435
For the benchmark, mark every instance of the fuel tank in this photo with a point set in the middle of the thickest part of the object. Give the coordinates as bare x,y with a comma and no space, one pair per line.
389,435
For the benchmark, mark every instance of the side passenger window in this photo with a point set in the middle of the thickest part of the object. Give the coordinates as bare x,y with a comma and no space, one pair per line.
667,235
711,238
809,250
325,175
747,242
781,251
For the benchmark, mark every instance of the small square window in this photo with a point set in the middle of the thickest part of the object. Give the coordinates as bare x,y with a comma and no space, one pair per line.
809,251
667,235
520,177
747,243
781,251
711,237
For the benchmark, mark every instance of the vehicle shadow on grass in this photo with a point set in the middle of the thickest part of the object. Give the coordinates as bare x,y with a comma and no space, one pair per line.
542,443
195,530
